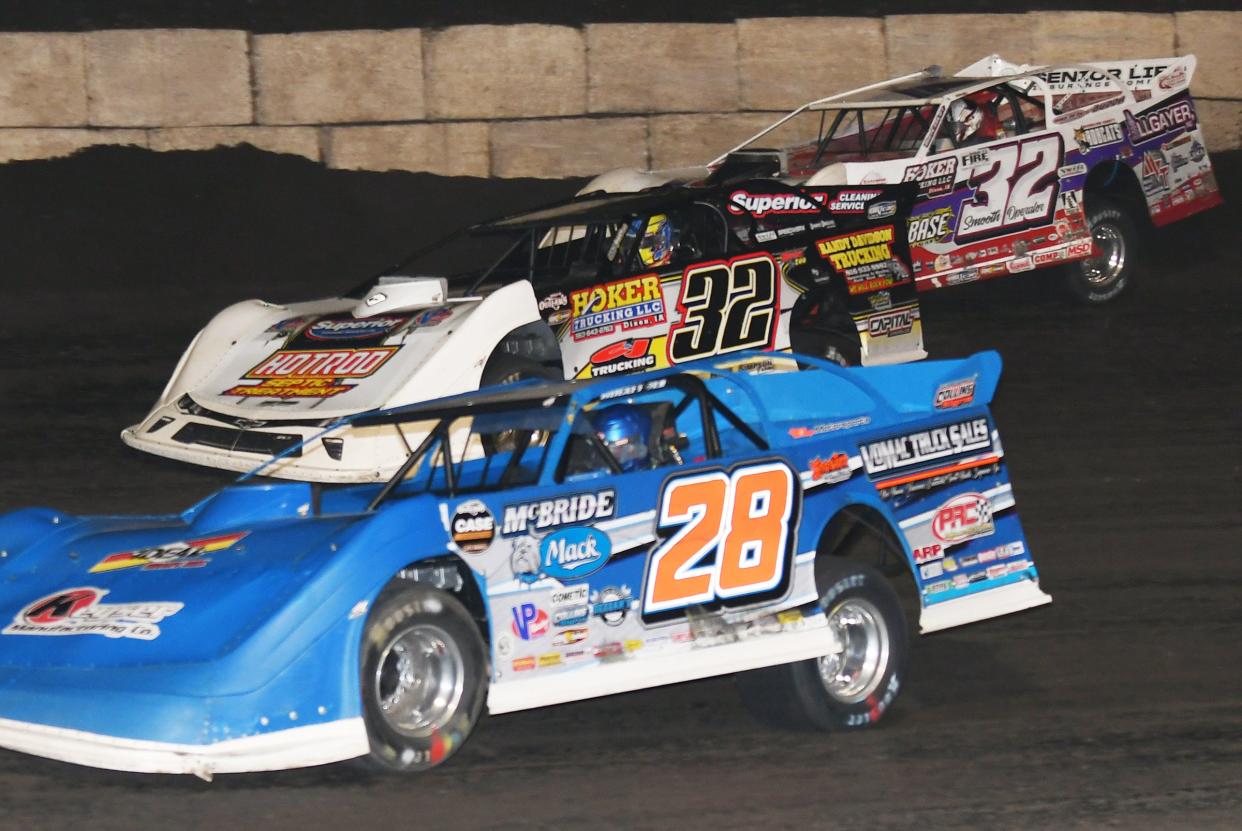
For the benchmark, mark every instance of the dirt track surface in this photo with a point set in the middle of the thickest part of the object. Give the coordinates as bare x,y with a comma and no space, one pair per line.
1116,706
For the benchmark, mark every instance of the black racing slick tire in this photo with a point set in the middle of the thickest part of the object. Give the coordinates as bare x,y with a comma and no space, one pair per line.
1114,268
424,676
854,686
504,368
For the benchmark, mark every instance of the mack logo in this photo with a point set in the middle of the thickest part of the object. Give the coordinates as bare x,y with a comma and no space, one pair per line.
963,517
547,514
926,446
574,553
1175,116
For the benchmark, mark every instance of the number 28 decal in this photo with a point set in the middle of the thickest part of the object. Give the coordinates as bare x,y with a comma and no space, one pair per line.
726,539
724,307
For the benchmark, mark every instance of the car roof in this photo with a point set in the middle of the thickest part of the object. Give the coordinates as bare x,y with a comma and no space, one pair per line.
596,207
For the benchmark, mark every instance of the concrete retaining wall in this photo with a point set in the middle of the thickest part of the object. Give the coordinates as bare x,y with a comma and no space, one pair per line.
533,99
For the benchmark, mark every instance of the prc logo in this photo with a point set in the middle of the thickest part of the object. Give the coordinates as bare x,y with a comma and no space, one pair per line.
962,518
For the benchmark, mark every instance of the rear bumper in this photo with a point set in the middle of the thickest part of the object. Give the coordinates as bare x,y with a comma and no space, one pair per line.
294,747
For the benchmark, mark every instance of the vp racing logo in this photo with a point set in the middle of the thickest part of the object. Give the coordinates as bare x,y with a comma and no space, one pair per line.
77,611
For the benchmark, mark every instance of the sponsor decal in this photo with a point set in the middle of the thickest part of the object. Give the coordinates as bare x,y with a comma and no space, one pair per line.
524,560
554,301
1176,116
612,604
1043,258
633,389
881,301
550,659
311,373
1197,152
892,324
572,596
1020,264
187,554
1173,79
1065,79
761,204
936,588
472,527
628,303
571,616
524,664
529,621
955,394
432,317
881,210
1071,170
77,611
832,427
1098,135
765,236
903,489
962,518
1083,248
934,177
1155,172
834,469
351,328
623,356
930,227
975,157
996,571
931,571
966,275
864,248
287,326
926,446
547,514
573,553
852,201
928,553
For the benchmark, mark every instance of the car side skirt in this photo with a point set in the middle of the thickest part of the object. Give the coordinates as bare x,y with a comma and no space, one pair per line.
1015,597
315,744
625,676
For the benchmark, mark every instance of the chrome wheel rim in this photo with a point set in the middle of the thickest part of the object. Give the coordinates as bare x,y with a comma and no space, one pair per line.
1111,262
855,670
419,681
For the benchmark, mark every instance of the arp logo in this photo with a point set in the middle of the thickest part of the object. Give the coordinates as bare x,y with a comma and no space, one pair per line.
529,621
963,517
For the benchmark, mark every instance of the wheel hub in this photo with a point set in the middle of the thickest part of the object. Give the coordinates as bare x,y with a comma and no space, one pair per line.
419,680
1108,266
854,671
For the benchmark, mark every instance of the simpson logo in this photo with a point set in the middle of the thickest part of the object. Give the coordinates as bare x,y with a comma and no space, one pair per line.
353,329
188,554
547,514
761,204
77,611
623,356
1100,135
926,446
891,324
930,227
1175,116
852,201
630,303
473,526
312,373
962,518
934,177
836,468
955,394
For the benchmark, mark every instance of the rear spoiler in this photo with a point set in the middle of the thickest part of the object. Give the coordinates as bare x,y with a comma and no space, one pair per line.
1159,76
935,385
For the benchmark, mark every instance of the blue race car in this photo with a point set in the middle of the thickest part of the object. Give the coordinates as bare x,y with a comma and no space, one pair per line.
543,542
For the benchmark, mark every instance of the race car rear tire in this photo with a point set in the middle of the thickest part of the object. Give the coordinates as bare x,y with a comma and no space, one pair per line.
853,687
1104,277
424,678
504,368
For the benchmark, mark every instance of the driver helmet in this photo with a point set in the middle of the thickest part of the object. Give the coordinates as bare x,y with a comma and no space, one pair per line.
966,117
624,429
656,246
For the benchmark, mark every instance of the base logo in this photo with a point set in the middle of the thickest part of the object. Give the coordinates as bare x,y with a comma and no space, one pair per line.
77,611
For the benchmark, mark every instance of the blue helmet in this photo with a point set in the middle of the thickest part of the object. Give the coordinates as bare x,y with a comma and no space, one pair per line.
624,429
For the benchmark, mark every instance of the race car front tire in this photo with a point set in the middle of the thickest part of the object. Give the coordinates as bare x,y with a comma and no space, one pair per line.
504,368
424,678
853,686
1105,276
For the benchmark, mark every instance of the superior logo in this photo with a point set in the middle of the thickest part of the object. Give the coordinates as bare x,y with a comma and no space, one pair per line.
924,446
762,204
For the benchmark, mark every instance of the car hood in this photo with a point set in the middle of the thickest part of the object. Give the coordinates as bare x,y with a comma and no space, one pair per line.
149,592
316,360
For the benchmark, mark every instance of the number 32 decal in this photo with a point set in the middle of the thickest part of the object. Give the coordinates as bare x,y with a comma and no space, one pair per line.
725,307
727,540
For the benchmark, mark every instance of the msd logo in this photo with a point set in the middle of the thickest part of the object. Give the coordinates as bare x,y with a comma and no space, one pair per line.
529,621
962,518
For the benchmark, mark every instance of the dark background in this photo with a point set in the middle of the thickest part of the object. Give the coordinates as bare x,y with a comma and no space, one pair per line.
264,16
1116,706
